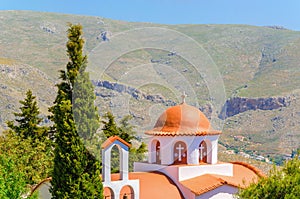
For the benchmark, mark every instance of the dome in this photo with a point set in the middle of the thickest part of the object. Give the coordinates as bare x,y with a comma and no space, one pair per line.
182,119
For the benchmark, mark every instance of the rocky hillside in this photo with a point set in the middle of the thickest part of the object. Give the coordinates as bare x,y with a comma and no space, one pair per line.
237,105
245,78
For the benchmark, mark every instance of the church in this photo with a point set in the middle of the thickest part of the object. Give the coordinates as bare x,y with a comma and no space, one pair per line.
182,162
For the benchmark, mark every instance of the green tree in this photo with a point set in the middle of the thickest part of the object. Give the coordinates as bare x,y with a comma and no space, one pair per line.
110,127
125,131
282,183
33,160
76,172
85,112
13,183
28,142
28,121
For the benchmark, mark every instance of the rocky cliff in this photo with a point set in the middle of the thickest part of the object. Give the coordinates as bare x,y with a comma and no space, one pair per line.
236,105
232,106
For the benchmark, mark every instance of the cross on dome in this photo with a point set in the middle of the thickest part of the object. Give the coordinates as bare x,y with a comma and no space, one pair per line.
183,97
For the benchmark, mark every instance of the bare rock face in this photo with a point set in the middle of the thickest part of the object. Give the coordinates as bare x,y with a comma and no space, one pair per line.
232,106
104,36
236,105
139,95
135,93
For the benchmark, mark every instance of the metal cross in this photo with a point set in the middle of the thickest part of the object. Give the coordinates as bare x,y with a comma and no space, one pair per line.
183,97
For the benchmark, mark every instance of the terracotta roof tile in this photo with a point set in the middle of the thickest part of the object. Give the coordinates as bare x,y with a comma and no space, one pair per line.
154,185
251,167
183,133
182,119
110,140
203,183
243,175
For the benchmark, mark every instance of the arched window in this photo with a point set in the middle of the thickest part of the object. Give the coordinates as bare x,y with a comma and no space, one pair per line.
127,192
157,153
115,159
203,152
180,153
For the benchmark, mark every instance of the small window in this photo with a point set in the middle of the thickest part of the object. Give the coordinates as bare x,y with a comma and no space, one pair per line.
203,152
180,153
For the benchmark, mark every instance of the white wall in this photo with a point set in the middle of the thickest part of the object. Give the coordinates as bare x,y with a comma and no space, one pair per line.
187,172
116,187
192,143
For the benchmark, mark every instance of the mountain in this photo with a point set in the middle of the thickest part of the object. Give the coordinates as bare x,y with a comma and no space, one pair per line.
244,78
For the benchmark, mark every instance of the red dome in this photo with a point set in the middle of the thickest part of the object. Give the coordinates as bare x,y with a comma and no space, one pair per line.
182,119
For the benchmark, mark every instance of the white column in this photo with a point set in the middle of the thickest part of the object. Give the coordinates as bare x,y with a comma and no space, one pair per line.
106,164
124,164
214,151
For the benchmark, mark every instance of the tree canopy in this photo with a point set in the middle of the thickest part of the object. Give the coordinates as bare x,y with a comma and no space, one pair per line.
282,183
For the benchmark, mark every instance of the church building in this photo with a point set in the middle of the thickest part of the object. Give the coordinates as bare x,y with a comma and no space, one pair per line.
182,162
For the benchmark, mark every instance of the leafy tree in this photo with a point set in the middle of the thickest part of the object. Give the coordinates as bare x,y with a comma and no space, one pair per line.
15,186
28,121
28,142
125,131
281,184
12,179
76,172
34,161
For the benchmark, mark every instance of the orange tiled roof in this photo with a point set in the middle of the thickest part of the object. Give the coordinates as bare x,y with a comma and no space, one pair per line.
110,140
243,175
183,133
251,167
154,185
203,183
182,119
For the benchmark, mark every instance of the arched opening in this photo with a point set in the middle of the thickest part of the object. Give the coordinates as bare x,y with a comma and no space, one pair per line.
115,160
180,153
203,152
127,192
157,153
108,193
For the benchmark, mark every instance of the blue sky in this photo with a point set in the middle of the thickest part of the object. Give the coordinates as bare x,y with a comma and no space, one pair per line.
253,12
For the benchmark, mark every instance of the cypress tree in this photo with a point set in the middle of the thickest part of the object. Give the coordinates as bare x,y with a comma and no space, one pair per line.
85,113
76,172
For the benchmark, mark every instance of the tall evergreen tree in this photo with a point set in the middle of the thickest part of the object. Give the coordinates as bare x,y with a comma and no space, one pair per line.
28,121
85,112
76,172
